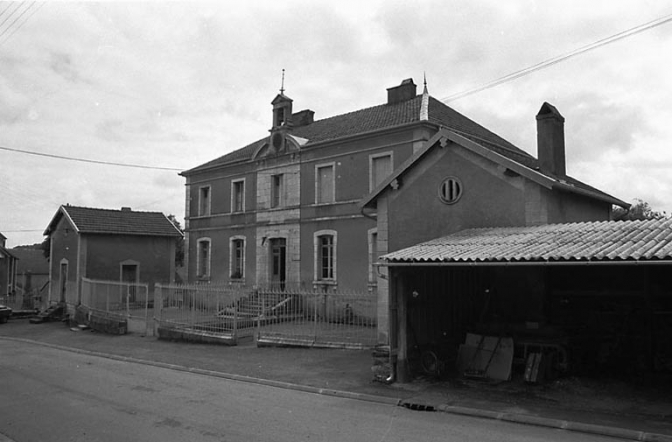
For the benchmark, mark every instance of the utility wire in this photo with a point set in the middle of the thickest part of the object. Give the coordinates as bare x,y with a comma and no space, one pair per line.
20,25
18,6
552,61
83,160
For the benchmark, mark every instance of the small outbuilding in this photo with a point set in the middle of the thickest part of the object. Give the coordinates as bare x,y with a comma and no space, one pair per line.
594,296
7,270
111,245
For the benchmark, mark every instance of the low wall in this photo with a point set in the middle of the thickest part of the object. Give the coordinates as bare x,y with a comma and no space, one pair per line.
178,334
100,321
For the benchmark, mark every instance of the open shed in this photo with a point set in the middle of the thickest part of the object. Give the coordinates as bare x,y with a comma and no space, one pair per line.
597,293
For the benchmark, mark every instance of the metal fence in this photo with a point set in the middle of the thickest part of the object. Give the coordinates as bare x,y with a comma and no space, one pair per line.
318,318
273,315
202,308
22,300
132,301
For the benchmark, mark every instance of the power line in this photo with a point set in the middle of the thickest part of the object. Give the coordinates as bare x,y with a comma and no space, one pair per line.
84,160
20,25
552,61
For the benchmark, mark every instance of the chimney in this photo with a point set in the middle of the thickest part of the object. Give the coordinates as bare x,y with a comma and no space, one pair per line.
405,91
551,141
125,209
303,118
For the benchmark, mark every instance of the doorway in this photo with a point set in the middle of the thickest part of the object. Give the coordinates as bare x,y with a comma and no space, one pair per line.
63,281
278,262
129,276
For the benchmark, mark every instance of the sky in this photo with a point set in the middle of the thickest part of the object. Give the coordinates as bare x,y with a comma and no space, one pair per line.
167,86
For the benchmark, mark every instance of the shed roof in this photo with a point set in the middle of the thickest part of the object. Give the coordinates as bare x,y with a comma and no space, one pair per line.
116,222
605,242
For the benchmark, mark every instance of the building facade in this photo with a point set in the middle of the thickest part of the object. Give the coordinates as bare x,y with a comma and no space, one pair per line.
110,245
316,202
8,263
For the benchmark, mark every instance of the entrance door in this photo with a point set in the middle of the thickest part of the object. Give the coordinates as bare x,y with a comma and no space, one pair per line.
129,274
63,281
278,262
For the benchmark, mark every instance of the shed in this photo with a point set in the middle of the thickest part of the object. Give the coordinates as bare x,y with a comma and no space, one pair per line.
599,289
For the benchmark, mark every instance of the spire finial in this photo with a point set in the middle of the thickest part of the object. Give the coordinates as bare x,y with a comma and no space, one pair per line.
424,74
282,87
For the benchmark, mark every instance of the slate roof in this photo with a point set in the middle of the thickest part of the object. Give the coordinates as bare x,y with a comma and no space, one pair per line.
116,222
380,117
606,241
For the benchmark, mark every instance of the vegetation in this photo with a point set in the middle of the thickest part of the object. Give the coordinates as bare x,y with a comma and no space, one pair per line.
639,210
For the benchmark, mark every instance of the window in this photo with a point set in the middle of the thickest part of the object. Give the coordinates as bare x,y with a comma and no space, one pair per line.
373,255
450,190
277,185
324,184
204,201
325,255
237,258
238,196
380,167
203,258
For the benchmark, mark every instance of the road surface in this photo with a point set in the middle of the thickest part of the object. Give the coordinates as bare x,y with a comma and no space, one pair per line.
49,394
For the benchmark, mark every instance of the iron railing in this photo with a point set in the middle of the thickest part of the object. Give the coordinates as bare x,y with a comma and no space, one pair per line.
131,301
295,316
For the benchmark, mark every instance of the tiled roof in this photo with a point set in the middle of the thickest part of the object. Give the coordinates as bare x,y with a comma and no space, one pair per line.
589,241
119,222
381,117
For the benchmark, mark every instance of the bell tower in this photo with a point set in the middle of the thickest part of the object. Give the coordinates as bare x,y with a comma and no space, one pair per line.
282,119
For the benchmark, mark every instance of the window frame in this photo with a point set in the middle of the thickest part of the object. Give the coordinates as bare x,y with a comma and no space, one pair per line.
205,207
318,257
372,236
234,185
199,259
277,191
372,158
233,258
318,193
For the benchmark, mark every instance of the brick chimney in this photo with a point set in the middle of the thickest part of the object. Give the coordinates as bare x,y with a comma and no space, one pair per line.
303,118
551,141
405,91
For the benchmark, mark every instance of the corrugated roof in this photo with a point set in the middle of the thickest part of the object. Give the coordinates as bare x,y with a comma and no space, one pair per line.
588,241
120,222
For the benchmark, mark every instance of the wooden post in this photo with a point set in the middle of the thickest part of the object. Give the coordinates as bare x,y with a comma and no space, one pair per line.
403,374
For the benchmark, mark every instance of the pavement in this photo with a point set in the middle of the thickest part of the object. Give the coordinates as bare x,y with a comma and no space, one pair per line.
633,410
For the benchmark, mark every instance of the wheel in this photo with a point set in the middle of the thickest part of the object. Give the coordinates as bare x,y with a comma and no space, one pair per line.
429,362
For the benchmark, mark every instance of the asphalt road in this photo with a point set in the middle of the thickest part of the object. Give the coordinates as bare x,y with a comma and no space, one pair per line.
48,394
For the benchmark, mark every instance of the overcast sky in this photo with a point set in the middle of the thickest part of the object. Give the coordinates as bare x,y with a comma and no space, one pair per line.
173,85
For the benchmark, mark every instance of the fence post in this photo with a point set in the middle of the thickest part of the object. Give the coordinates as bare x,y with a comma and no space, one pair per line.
158,301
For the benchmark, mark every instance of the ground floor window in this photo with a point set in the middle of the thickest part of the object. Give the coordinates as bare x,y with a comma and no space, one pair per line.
203,258
325,255
237,259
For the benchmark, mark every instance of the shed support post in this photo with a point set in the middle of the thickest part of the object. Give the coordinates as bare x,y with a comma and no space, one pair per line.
403,374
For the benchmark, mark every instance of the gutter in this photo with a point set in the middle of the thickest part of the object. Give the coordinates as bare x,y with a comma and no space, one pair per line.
517,263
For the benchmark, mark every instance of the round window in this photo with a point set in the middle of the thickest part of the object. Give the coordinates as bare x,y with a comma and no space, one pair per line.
450,190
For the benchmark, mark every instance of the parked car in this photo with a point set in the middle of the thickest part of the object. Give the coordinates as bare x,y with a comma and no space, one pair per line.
5,313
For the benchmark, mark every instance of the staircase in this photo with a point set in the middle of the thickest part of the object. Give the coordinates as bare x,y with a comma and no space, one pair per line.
54,312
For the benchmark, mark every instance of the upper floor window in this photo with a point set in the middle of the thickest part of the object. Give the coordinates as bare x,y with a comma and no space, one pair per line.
277,190
324,184
325,255
203,258
237,258
238,196
380,167
450,190
204,201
